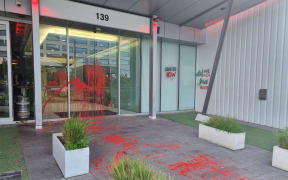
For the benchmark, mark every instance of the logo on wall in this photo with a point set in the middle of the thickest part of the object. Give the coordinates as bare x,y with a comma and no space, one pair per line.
170,72
203,78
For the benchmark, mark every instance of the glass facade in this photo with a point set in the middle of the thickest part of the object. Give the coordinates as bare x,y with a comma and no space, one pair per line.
22,70
187,77
169,76
176,79
100,65
53,71
4,88
86,84
93,73
129,75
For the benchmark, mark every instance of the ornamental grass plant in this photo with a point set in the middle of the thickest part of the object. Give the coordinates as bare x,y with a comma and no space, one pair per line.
283,138
127,168
75,134
226,124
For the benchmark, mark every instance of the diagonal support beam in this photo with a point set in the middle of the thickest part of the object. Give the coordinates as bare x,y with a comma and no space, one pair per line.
217,57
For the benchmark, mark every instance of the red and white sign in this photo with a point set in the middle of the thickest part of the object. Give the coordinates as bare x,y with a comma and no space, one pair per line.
170,72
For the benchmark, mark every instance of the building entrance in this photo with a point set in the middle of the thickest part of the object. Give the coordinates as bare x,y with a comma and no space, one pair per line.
87,72
22,71
6,114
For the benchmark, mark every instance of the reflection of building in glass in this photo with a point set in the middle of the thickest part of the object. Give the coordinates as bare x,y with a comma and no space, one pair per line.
4,98
84,51
3,51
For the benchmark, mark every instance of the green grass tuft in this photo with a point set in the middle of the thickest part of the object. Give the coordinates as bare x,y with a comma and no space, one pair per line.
135,169
283,138
256,136
11,155
226,124
75,134
183,118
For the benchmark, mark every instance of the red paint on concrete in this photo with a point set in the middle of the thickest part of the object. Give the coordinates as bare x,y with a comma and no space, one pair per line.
94,90
204,167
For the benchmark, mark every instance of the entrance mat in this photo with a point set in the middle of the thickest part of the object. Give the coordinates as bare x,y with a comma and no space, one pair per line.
86,113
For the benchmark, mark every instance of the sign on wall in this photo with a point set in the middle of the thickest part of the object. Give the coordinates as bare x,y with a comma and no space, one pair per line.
170,72
203,78
79,12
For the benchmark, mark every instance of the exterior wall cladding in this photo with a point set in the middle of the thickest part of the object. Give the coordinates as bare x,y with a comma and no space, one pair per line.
254,56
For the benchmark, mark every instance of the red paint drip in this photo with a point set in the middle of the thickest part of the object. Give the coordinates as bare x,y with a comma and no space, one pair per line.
168,146
91,91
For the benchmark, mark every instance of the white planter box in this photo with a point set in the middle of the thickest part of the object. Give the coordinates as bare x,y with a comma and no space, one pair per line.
73,162
234,141
202,118
280,158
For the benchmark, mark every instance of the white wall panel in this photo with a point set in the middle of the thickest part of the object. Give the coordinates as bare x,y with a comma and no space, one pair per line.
170,31
187,34
254,56
1,5
25,8
84,13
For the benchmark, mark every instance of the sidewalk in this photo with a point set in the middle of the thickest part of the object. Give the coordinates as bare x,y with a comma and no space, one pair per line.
167,145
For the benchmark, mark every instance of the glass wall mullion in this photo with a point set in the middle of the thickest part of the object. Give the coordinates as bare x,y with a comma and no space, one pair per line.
178,79
68,68
118,74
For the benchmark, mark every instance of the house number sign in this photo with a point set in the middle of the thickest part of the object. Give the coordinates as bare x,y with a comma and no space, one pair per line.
102,17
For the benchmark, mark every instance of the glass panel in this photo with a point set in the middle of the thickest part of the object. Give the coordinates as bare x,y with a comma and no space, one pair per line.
93,73
130,75
169,70
145,74
53,72
4,89
187,77
22,70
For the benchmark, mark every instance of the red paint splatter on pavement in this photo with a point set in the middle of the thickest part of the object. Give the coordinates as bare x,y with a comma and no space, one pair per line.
169,146
147,156
115,139
91,94
204,167
161,162
127,144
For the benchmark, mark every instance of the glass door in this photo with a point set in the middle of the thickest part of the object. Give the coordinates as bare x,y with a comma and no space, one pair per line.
5,75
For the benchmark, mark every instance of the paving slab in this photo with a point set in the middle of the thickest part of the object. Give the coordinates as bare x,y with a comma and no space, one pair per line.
166,145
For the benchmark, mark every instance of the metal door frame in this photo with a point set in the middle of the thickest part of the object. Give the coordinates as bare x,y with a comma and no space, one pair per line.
8,120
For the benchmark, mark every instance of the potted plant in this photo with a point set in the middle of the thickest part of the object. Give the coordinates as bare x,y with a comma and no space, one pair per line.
70,148
223,131
280,153
133,168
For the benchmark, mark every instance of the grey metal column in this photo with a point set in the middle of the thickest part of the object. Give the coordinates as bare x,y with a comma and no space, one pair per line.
37,64
153,71
217,57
